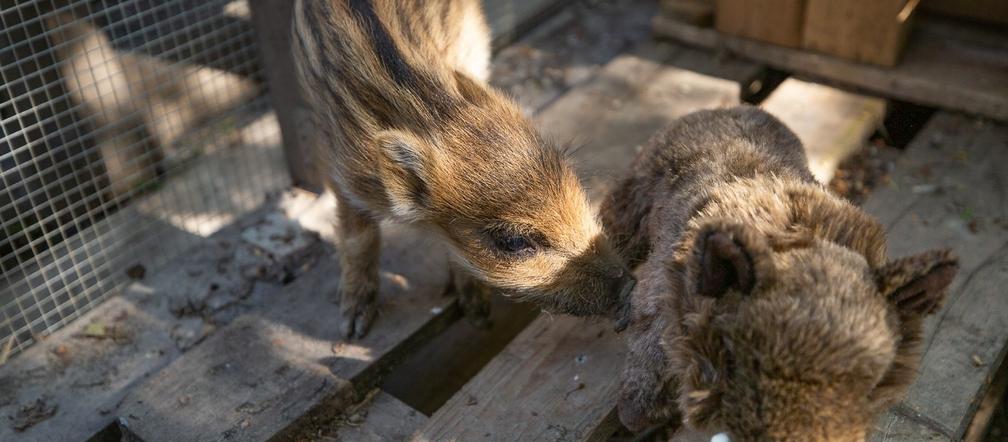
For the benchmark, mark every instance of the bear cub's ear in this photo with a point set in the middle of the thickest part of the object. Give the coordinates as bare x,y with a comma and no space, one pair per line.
729,257
918,284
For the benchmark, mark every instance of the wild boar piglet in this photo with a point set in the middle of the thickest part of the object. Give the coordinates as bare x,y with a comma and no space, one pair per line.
408,130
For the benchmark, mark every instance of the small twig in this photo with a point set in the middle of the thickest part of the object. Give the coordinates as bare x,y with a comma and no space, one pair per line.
579,387
5,353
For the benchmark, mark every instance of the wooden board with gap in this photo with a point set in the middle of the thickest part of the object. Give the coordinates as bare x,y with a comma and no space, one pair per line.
277,368
380,418
558,380
82,372
951,190
831,123
945,64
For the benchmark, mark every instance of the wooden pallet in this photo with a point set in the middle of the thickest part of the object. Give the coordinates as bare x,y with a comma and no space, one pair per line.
945,64
285,361
950,191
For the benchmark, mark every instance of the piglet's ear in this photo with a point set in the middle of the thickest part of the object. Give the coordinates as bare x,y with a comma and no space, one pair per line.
405,174
917,284
729,257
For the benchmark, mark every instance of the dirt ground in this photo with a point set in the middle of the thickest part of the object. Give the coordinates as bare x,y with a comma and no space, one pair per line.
869,168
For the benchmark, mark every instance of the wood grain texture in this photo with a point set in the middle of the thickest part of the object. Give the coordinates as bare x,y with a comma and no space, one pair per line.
952,191
893,427
869,31
509,19
243,383
558,379
86,376
281,366
608,119
778,22
384,418
831,123
946,64
272,20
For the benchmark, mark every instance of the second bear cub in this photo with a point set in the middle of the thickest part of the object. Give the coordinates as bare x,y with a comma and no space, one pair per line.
766,308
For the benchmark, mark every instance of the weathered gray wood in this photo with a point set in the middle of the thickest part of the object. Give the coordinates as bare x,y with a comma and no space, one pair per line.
298,329
381,418
635,95
555,381
272,20
944,65
831,123
568,49
952,191
86,368
508,19
893,427
558,380
243,383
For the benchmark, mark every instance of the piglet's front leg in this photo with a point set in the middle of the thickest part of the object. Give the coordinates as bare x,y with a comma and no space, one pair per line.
360,245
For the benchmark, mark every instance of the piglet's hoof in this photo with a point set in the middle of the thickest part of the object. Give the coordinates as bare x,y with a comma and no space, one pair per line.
357,313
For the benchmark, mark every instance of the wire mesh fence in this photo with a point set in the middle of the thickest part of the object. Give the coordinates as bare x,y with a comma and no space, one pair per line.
131,129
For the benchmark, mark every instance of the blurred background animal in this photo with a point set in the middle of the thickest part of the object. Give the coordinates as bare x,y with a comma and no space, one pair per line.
139,105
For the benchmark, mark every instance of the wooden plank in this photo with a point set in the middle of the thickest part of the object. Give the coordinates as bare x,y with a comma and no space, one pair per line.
893,427
991,405
945,65
568,50
509,19
952,191
86,368
831,123
243,383
635,95
381,418
272,20
555,381
870,31
773,21
297,329
558,380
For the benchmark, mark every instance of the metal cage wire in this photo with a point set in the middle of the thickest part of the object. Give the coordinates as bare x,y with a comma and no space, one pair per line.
130,130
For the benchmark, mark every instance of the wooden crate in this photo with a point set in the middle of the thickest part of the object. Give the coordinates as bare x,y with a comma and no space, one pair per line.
773,21
869,31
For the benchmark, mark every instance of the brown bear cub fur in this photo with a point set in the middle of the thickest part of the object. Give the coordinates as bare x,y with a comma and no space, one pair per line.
766,309
408,130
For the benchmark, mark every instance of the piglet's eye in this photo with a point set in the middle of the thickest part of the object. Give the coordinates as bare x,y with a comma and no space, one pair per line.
514,244
720,437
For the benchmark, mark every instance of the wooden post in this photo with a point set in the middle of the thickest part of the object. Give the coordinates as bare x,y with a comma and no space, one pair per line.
272,22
